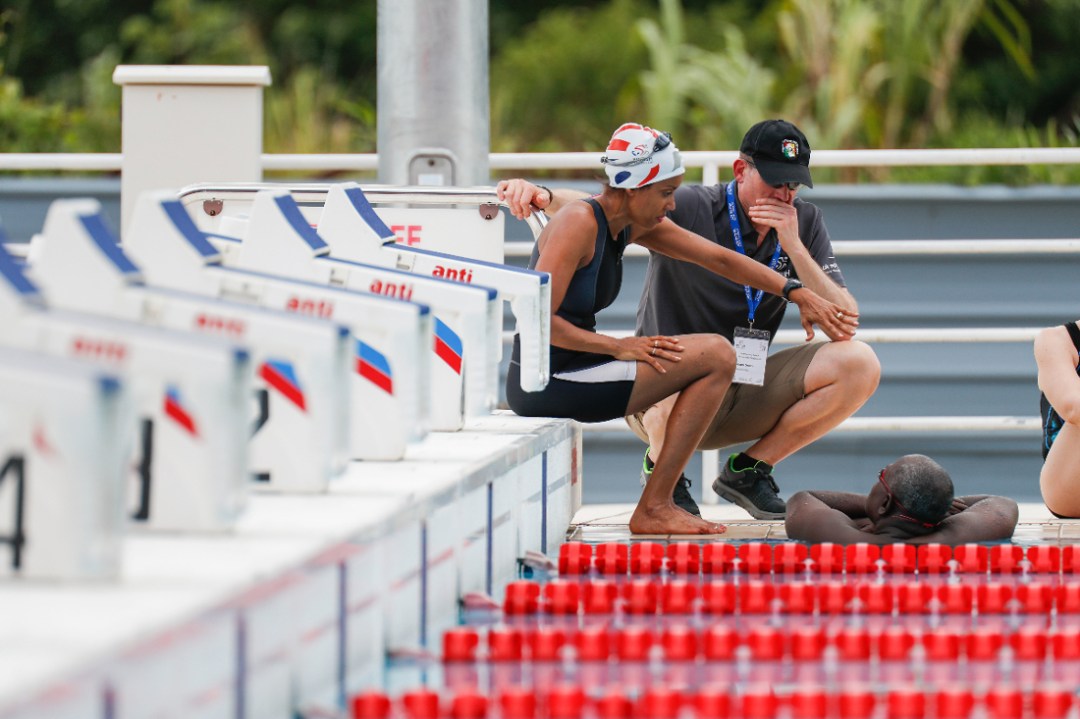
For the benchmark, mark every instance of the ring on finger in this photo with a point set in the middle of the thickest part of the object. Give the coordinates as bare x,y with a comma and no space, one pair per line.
652,352
839,315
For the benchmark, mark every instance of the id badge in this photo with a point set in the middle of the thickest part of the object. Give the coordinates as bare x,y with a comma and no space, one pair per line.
751,350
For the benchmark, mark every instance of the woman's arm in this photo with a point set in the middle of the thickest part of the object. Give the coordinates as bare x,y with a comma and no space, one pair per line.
1057,358
669,239
523,197
567,244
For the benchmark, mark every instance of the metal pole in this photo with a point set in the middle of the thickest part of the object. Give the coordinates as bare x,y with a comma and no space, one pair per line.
433,108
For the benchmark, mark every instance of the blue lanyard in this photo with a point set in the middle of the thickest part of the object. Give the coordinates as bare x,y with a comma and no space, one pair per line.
752,300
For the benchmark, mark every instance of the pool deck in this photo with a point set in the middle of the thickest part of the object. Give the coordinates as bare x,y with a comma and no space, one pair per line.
596,523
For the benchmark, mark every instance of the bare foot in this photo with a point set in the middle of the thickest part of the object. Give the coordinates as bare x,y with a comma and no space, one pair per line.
669,519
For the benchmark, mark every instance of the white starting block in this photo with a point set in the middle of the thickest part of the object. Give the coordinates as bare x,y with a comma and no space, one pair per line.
299,364
347,222
64,436
354,231
191,397
278,240
389,357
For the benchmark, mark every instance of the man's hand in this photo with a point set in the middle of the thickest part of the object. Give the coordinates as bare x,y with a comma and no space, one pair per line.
522,197
782,217
836,322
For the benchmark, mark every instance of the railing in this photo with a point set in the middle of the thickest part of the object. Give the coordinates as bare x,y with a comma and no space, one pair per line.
893,248
709,161
315,192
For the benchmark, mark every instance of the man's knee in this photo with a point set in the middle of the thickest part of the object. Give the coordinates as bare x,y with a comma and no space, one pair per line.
856,365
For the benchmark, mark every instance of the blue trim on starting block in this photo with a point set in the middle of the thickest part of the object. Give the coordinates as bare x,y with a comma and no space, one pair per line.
292,214
104,238
196,238
13,273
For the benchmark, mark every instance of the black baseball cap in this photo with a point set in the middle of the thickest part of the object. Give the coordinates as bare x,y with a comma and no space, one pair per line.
780,152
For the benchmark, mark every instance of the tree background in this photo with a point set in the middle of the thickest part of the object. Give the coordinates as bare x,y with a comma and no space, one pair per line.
851,73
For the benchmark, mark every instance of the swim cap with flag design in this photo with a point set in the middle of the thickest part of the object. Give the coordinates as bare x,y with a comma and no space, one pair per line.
637,156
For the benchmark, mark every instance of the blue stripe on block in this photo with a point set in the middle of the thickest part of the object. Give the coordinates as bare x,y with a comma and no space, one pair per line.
182,221
285,369
291,211
109,385
447,335
13,273
373,357
106,241
360,203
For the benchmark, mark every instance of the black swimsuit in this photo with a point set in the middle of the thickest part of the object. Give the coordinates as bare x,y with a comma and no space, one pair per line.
585,386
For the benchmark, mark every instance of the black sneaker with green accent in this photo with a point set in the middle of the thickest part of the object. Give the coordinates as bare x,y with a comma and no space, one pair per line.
681,496
753,489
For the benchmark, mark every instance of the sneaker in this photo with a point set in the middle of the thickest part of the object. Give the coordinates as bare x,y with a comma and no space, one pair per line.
681,496
752,489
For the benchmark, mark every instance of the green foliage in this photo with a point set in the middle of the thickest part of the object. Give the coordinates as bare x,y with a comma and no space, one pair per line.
179,32
336,38
51,39
307,110
30,125
564,73
38,125
834,70
979,130
569,81
707,99
308,115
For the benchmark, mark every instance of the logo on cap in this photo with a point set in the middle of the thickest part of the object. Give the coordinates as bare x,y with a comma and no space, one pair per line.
789,149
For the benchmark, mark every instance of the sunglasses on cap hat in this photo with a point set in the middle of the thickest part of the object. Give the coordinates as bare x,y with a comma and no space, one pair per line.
793,186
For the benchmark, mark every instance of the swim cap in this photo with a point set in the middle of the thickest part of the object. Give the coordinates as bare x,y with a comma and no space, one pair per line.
637,156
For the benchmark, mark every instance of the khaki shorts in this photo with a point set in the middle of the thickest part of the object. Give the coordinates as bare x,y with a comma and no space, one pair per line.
749,412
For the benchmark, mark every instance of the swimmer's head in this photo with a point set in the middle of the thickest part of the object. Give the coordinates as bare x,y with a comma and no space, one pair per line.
920,487
637,156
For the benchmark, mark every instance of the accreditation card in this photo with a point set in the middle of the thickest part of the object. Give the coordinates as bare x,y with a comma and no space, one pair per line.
751,350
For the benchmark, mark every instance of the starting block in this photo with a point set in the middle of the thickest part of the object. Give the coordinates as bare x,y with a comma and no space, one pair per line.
299,364
278,240
389,358
189,453
347,222
64,435
354,231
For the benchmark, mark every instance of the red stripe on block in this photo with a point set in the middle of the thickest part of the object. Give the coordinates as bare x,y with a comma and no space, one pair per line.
374,376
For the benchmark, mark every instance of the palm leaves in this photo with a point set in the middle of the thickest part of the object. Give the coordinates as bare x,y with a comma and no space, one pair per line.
851,73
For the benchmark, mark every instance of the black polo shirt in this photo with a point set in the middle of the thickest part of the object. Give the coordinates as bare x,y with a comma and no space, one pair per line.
684,298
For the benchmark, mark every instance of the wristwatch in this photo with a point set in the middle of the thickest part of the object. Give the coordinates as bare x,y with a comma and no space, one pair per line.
789,286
